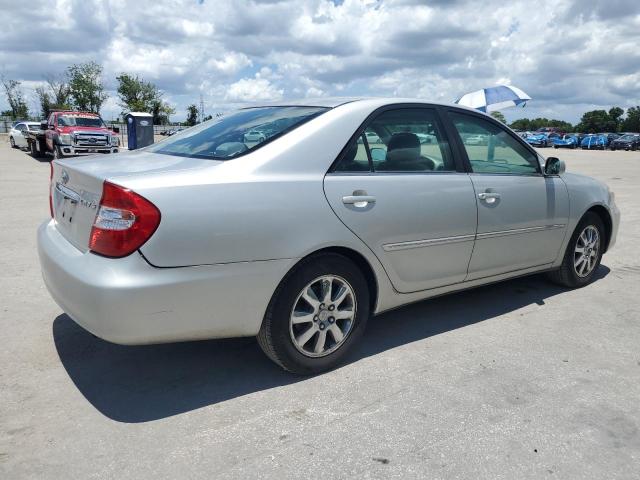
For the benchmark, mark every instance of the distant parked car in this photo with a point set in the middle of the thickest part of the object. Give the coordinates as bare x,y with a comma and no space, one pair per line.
610,137
17,134
174,131
542,139
556,130
626,142
254,136
476,140
426,137
594,142
372,137
567,141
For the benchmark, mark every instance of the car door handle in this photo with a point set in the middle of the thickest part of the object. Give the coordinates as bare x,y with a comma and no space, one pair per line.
489,197
358,200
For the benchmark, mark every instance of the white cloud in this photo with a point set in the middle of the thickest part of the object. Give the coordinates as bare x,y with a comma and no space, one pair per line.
253,89
567,54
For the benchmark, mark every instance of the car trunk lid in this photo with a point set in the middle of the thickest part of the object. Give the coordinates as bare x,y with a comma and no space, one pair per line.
77,186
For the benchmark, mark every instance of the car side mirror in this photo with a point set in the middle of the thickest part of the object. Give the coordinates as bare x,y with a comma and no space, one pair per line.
554,166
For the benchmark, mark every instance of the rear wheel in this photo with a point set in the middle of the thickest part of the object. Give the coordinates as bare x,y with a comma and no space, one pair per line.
12,142
583,254
317,313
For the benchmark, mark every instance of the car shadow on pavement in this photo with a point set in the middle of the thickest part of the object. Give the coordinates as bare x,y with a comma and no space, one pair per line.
143,383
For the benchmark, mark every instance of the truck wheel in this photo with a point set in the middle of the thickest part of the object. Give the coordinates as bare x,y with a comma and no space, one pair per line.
33,150
12,142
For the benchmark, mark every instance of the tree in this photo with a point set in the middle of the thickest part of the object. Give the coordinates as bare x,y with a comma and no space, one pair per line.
528,124
86,87
632,122
615,115
499,116
161,112
137,95
59,90
192,115
44,99
15,99
596,121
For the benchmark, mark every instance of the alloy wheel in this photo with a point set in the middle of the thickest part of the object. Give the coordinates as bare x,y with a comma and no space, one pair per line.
323,315
586,251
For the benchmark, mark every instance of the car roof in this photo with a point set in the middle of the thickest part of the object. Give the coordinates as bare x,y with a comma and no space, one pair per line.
332,102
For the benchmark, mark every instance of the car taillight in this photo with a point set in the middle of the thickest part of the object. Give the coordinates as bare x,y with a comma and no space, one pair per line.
50,188
125,221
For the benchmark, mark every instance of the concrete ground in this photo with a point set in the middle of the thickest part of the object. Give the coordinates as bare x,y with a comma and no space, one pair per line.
518,380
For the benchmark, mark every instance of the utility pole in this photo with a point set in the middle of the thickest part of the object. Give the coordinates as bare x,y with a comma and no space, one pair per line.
201,110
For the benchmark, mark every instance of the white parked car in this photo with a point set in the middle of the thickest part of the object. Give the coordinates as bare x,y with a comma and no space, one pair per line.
254,136
300,238
17,138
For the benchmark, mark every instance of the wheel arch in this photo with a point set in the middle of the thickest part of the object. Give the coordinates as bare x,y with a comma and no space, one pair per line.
356,257
605,216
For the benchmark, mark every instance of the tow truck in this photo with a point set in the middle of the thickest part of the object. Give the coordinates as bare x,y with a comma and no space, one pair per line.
69,133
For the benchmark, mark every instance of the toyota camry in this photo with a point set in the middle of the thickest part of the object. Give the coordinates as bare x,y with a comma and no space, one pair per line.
299,237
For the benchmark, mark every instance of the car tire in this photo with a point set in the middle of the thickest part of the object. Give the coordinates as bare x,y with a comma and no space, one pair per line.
294,345
634,148
12,142
573,272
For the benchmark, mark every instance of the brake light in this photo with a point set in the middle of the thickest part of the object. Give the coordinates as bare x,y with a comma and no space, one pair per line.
50,187
124,222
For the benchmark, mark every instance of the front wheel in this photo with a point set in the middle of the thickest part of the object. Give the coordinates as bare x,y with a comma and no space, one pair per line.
583,254
316,314
12,142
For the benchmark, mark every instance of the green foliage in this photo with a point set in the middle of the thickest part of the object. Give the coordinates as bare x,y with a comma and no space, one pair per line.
499,116
532,124
615,114
632,122
136,95
596,121
18,107
86,87
192,115
45,101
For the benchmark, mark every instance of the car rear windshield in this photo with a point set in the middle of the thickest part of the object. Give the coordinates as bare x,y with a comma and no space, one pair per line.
236,133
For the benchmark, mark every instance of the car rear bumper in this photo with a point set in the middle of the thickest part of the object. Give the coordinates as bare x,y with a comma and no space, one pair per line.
128,301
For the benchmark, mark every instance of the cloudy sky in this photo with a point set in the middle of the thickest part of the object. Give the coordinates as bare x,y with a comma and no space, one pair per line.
569,55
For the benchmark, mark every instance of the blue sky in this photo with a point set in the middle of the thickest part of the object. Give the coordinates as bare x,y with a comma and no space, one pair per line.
569,55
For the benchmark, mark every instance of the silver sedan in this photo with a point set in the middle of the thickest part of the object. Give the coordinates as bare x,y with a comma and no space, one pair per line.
301,237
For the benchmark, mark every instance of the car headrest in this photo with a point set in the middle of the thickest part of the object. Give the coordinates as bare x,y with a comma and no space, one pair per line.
403,147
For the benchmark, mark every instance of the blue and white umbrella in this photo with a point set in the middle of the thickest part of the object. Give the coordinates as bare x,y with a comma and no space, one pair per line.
494,98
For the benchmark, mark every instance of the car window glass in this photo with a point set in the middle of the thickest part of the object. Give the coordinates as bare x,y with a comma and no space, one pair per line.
20,127
354,157
236,133
491,149
410,140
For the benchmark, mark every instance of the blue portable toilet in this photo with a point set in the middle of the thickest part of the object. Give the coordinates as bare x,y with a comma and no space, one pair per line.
139,129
